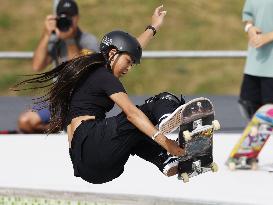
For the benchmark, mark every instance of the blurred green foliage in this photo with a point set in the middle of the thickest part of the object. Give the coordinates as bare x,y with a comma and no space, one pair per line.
189,25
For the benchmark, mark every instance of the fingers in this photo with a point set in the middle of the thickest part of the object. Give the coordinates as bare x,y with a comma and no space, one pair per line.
163,13
50,24
174,149
258,41
258,31
50,16
254,31
159,11
179,152
158,17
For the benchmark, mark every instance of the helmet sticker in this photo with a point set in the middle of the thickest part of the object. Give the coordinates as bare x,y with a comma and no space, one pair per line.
107,41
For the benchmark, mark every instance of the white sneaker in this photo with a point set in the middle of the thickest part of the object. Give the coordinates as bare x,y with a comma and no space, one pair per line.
170,122
174,120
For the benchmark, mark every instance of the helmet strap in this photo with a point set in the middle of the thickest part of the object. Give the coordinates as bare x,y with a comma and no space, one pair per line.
111,59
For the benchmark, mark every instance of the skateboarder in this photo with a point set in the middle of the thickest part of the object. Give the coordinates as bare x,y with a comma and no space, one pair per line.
87,87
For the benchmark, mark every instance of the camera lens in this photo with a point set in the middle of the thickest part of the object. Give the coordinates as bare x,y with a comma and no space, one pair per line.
64,23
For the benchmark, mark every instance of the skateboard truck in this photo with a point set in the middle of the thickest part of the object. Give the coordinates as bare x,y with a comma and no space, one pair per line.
196,169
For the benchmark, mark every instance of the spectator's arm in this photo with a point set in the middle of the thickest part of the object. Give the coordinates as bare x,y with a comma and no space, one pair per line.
41,57
247,14
254,33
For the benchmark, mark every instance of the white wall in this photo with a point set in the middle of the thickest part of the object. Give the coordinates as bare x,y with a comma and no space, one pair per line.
42,162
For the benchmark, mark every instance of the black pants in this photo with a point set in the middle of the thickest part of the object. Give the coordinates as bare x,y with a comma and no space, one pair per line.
100,148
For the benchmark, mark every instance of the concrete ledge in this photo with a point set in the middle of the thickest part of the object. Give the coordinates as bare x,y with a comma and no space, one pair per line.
31,196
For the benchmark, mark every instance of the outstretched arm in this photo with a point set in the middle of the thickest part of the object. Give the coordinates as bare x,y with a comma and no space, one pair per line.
41,58
142,122
157,21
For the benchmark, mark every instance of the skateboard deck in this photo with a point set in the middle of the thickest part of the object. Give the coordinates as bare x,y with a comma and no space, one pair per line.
196,123
246,151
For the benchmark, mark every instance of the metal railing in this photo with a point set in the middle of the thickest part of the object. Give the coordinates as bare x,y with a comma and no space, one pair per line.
151,54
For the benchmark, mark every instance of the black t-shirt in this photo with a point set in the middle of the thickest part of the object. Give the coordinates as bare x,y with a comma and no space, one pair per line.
91,95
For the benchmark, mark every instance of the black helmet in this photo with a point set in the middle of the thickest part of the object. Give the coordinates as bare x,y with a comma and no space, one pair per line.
123,42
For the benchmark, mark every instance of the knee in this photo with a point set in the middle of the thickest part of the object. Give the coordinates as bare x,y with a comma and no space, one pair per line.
166,96
26,122
169,96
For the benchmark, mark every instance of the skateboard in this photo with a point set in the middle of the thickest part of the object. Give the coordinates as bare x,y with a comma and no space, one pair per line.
196,123
245,153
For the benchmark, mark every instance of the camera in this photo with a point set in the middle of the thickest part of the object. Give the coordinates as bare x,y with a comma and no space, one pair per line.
64,22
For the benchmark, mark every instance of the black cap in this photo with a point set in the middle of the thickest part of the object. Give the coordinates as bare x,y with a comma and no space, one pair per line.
68,7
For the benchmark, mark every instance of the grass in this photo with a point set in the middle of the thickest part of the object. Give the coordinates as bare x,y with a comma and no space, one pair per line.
5,21
189,25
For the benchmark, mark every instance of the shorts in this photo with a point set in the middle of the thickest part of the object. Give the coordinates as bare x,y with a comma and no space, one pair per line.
258,90
94,151
43,112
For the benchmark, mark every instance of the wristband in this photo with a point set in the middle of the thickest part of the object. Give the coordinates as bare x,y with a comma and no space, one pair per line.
247,27
152,28
156,134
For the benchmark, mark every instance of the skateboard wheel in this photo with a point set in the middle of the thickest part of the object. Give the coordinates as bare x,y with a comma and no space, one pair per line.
216,125
187,135
232,166
254,166
185,177
214,167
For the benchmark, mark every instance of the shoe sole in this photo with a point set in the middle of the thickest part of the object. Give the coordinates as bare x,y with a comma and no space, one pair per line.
172,171
174,120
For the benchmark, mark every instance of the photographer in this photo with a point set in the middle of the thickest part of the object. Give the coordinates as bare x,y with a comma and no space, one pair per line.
61,40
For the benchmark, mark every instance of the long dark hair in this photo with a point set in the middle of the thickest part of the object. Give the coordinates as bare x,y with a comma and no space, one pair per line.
61,82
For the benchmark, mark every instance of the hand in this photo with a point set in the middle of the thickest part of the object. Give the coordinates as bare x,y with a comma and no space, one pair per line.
170,145
50,24
173,148
253,33
261,40
158,17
